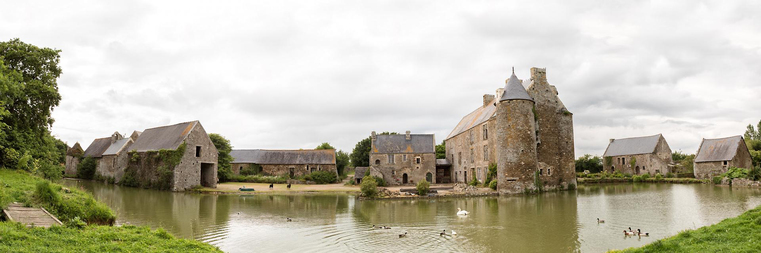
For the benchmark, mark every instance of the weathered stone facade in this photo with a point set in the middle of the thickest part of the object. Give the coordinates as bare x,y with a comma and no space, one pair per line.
523,132
639,155
197,168
286,169
115,159
73,156
716,156
403,159
292,163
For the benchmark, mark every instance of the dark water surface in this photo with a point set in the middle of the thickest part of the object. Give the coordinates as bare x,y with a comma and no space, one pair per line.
551,222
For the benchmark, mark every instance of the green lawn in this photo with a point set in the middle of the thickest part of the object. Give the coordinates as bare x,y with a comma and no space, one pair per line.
739,234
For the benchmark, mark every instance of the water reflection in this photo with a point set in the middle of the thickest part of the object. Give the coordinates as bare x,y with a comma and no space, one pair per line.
551,222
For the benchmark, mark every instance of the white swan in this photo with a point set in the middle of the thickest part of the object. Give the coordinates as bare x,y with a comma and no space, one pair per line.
454,233
462,212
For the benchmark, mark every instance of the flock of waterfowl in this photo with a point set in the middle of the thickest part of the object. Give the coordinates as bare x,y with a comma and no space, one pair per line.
630,232
460,213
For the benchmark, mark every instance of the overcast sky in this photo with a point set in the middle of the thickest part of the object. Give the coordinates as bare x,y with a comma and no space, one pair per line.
293,74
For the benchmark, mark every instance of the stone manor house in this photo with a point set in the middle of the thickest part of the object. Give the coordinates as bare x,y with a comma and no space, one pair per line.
524,129
403,158
638,155
293,163
117,154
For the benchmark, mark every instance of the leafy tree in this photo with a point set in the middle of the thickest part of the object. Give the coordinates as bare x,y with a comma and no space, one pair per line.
423,187
589,162
224,169
86,168
29,93
324,145
342,160
369,187
685,160
441,151
752,133
360,156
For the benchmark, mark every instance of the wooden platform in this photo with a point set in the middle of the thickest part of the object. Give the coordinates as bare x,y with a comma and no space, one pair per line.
37,216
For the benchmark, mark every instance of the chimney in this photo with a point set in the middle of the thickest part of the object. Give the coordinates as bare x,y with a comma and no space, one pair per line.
611,140
115,137
500,91
372,141
372,135
487,99
539,74
407,135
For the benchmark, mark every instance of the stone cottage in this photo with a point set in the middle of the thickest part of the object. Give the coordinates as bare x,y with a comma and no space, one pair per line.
196,165
402,159
638,155
115,159
359,174
526,132
293,163
73,155
716,156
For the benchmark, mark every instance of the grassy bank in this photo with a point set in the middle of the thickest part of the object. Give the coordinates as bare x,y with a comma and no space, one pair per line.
65,204
739,234
15,237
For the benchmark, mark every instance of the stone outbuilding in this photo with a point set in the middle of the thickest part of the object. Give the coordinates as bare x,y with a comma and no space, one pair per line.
638,155
402,159
524,129
359,174
292,163
73,156
195,165
115,159
716,156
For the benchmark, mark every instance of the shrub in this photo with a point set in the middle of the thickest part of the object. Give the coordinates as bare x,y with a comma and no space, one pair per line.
45,193
669,175
75,223
755,173
259,179
251,169
474,182
637,178
538,181
618,175
492,173
493,184
734,172
645,176
423,187
379,181
717,180
627,175
324,177
5,199
571,187
50,171
369,187
658,177
86,168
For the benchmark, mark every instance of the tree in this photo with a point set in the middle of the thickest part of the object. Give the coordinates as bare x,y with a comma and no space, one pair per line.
224,169
342,160
441,151
360,156
588,162
29,91
324,145
752,133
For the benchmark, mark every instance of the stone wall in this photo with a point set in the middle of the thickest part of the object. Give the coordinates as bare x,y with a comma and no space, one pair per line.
554,132
189,172
71,165
653,163
285,169
394,173
707,170
458,152
113,166
516,146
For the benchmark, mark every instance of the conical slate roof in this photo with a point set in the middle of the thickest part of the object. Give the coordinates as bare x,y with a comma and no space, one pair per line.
514,90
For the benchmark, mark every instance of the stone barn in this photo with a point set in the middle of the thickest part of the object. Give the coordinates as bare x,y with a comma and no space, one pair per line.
638,155
402,159
175,157
359,174
292,163
524,129
115,159
73,155
716,156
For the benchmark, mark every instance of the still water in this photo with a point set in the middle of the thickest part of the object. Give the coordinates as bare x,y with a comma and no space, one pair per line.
551,222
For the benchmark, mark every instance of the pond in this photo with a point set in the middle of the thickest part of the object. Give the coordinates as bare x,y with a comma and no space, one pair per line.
550,222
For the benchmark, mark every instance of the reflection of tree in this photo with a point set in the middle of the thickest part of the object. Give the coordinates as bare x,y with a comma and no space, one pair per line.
313,207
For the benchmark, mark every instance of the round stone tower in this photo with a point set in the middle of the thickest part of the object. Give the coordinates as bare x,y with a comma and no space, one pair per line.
516,139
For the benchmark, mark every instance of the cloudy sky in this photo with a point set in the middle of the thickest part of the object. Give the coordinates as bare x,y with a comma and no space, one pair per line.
293,74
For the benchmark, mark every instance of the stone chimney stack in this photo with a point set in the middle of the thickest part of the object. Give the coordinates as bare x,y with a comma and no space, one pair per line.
407,136
372,141
499,92
372,135
487,99
115,137
539,74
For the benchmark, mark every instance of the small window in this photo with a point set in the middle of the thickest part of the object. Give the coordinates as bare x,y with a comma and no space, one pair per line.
393,172
404,158
459,157
198,151
472,157
486,132
725,163
486,153
391,159
549,172
377,161
540,171
612,168
417,160
623,160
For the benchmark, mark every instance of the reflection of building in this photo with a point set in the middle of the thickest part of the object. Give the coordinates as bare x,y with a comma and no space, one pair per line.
293,163
403,158
526,132
715,156
638,155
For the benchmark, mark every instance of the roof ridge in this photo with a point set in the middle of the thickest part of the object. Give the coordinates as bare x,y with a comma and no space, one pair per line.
193,121
627,138
733,136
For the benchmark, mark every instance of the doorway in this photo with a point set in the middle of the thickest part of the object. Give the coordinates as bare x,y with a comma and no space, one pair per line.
429,177
465,178
404,178
290,172
636,170
207,175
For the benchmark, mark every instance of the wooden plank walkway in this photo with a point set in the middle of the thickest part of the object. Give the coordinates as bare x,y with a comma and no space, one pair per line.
39,217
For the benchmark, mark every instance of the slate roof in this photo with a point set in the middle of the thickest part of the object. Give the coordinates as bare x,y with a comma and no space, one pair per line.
164,137
721,149
117,146
632,146
97,147
75,150
475,118
514,90
397,143
261,156
359,172
442,162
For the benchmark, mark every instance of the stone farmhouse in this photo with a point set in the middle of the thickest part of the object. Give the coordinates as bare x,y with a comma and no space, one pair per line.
73,155
526,132
402,159
638,155
716,156
293,163
139,156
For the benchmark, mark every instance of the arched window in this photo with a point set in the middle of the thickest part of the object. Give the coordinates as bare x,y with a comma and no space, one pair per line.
377,161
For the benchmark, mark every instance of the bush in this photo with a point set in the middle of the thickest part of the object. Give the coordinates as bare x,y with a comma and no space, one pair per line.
258,179
86,168
423,187
492,173
45,193
717,180
474,182
369,187
645,177
658,177
5,199
618,175
75,223
755,173
51,171
493,184
379,181
734,172
669,175
637,178
251,169
324,177
571,187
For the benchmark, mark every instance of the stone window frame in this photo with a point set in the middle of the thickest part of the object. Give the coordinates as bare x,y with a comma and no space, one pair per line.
541,172
472,156
418,160
486,153
485,130
377,161
478,175
404,157
198,151
471,136
390,158
549,171
725,163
